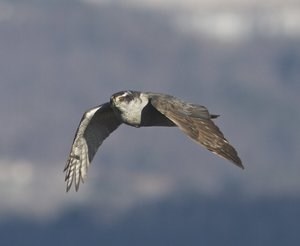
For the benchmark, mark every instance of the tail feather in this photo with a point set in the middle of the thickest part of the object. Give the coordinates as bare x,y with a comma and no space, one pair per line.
213,116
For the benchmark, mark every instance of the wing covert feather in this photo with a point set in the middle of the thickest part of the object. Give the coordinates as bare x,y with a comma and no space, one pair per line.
169,103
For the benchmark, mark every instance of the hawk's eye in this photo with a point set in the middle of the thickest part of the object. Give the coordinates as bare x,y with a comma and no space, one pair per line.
126,97
123,98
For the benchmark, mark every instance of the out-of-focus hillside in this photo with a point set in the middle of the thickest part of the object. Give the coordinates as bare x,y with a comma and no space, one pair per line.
189,219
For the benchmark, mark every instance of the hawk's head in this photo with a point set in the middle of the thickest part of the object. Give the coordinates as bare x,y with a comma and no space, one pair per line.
129,105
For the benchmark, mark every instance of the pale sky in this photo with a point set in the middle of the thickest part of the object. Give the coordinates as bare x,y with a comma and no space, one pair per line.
227,20
23,181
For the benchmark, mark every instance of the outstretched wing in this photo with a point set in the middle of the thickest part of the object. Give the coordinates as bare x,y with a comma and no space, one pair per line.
195,121
96,125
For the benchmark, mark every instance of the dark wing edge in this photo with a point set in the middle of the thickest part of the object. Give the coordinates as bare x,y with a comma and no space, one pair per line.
201,130
95,126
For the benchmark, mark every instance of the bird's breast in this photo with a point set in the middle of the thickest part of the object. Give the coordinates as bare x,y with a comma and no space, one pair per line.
131,118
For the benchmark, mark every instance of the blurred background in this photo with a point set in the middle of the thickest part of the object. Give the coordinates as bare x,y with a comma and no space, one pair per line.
150,186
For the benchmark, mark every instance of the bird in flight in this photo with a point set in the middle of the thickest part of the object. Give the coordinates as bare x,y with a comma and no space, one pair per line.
141,109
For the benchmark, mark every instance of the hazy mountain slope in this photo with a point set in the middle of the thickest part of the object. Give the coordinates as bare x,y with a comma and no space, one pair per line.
189,219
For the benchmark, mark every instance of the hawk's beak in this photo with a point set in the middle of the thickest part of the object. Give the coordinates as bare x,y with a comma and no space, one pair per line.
112,101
